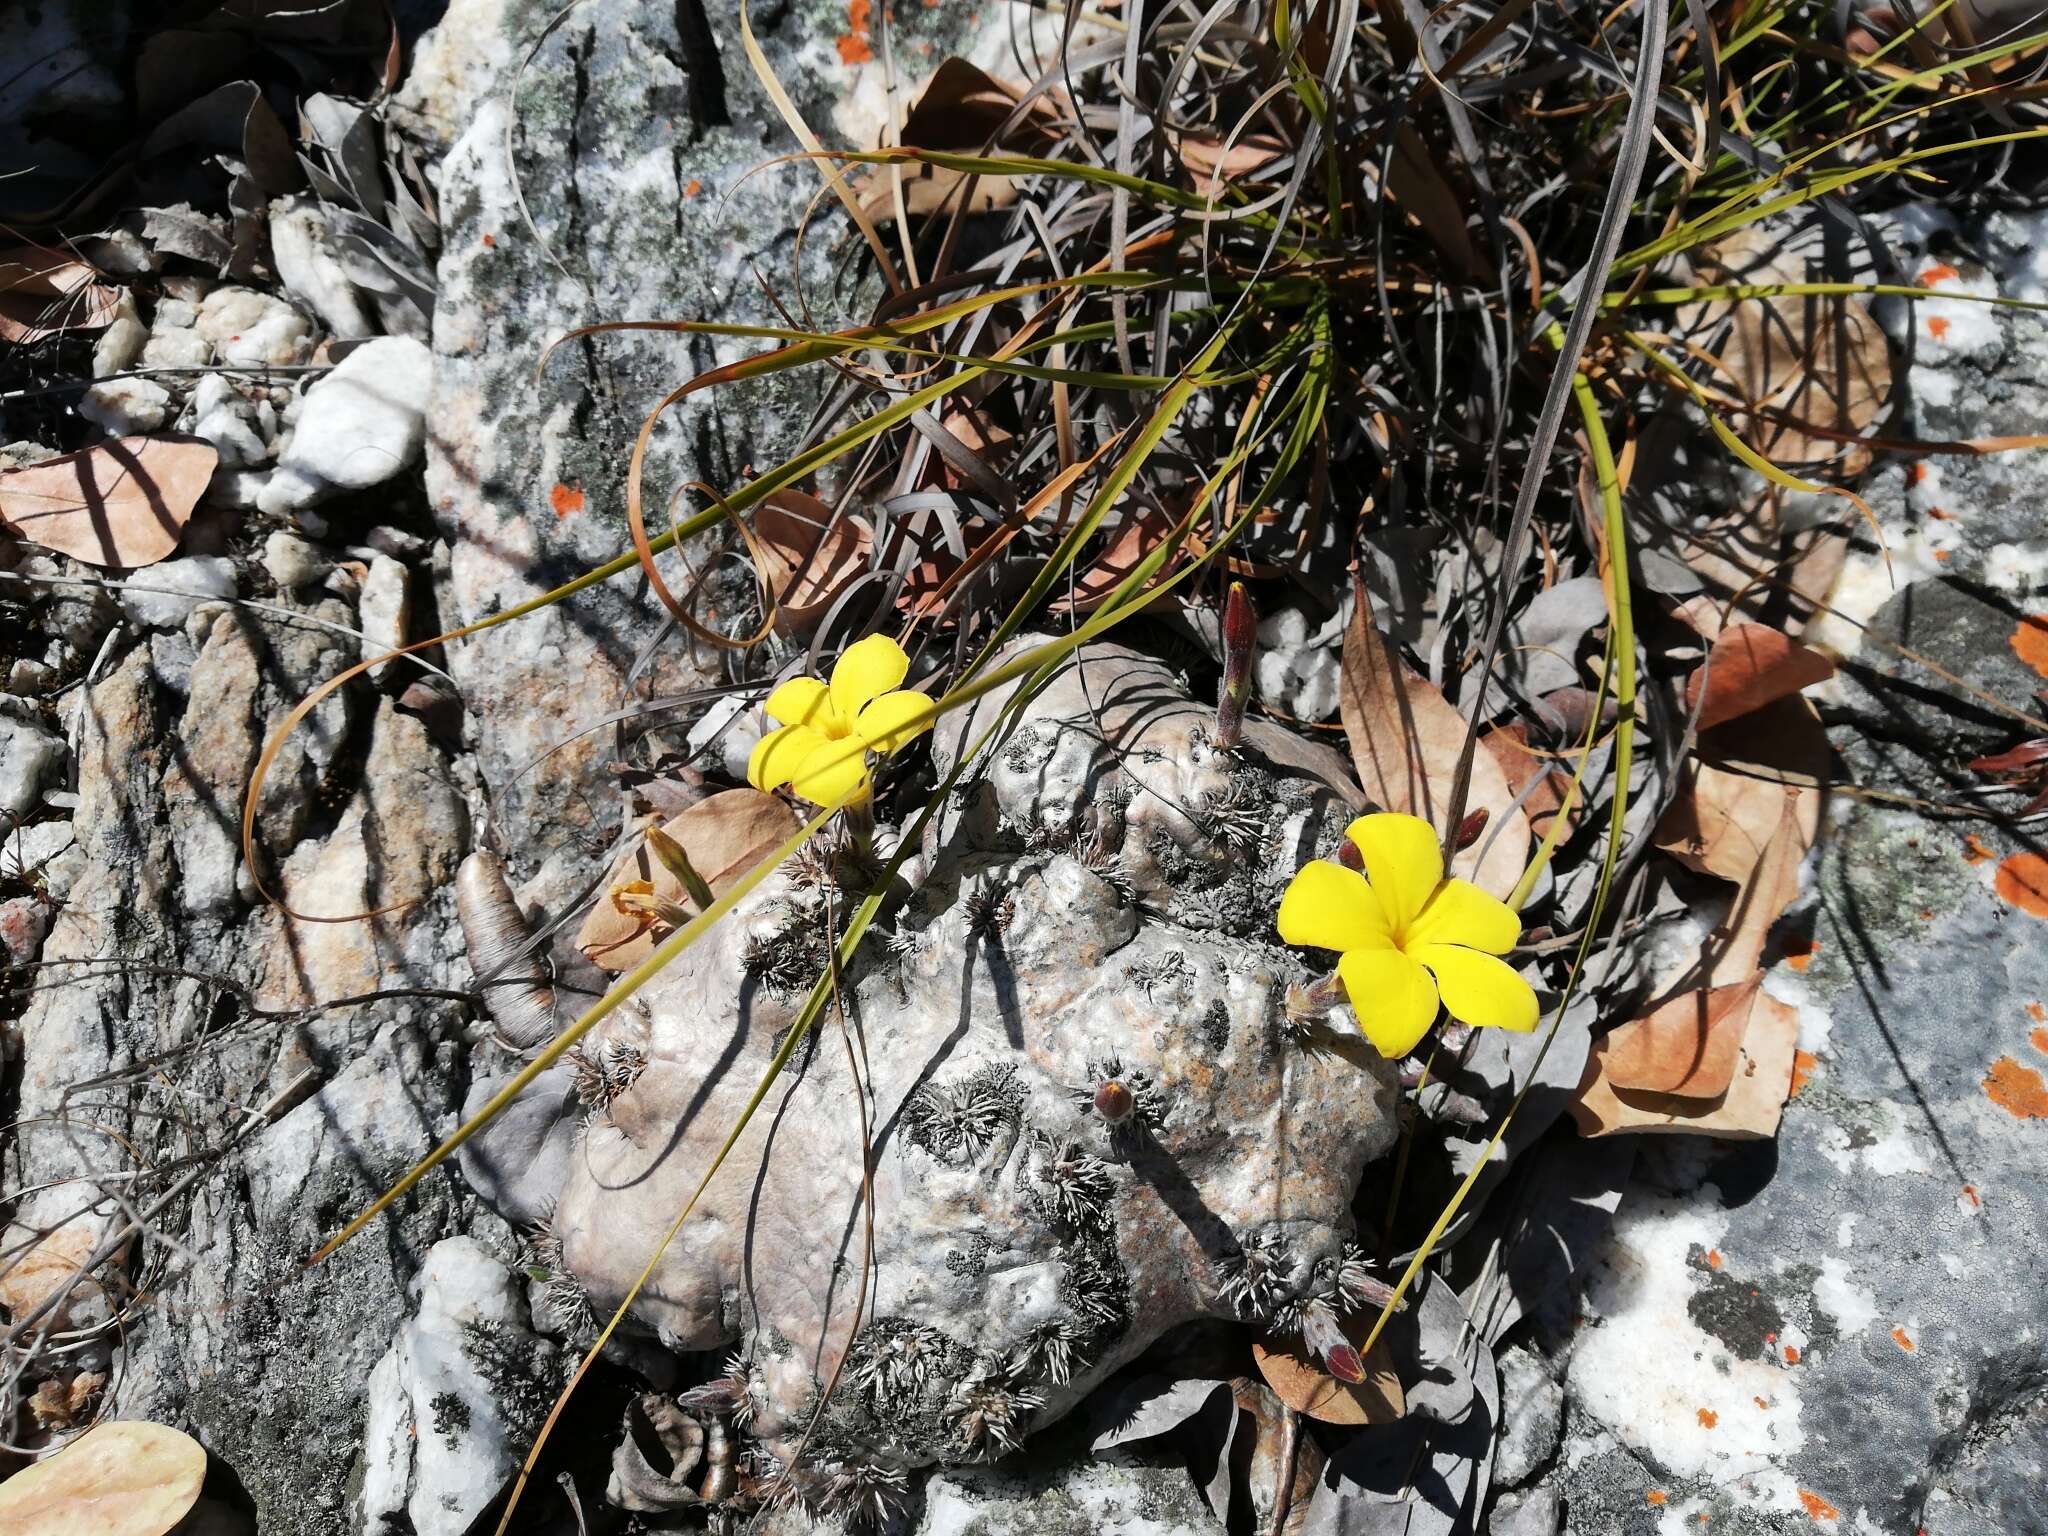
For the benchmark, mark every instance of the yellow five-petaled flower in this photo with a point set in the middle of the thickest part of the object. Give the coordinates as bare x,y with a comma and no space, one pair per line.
1407,937
828,729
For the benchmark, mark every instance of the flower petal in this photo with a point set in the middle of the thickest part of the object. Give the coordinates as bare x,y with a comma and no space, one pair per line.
1394,998
1461,913
865,670
1479,988
882,724
777,756
834,770
1330,907
802,701
1403,860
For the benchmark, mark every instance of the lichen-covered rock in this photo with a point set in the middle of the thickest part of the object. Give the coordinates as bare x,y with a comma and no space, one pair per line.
1092,1117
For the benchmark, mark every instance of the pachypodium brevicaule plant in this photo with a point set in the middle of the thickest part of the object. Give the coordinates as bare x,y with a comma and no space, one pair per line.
1410,939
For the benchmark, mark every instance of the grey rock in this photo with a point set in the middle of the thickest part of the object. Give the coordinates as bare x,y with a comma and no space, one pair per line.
27,679
359,426
646,110
31,759
171,654
1539,1512
455,1400
24,921
121,343
1532,1410
294,562
1066,1498
78,615
165,595
385,610
221,415
249,328
25,850
124,406
302,244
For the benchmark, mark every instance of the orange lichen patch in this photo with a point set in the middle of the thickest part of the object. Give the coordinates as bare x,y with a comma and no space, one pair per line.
490,241
1940,272
1969,1199
1760,1402
2029,642
1904,1340
2016,1089
1941,556
2038,1038
1658,1497
1818,1507
1937,326
1976,850
1791,1354
1799,959
1940,516
1714,1259
1918,473
853,47
1927,914
1709,1418
2023,881
566,500
1804,1064
2038,1012
692,187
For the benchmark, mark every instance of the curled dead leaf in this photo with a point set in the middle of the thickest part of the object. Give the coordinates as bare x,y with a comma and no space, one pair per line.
1299,1380
1748,1110
44,291
1749,666
1405,742
1098,578
127,1478
811,561
1725,815
1686,1047
123,503
1522,765
724,836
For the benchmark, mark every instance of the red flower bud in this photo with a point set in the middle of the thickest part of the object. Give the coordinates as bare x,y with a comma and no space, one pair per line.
1469,830
1114,1102
1240,640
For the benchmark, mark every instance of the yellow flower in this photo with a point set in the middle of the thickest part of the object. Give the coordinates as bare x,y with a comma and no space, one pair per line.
1408,937
829,729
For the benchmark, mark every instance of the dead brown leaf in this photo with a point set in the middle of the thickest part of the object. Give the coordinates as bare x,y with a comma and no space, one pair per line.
1094,581
1687,1047
1214,167
127,1478
964,109
123,503
1725,815
1749,666
808,568
1299,1380
45,291
1819,361
1747,1111
724,837
1522,765
39,1267
1405,742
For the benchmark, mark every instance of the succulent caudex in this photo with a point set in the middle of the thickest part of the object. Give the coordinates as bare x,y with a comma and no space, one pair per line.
1070,1081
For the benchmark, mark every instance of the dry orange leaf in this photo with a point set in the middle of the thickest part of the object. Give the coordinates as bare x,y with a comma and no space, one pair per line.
1094,581
807,568
1405,742
1725,816
127,1478
123,503
1747,1111
1521,765
724,836
43,292
1214,167
1299,1380
1751,665
1686,1047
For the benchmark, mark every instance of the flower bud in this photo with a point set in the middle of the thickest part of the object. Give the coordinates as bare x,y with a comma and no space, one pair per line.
1240,640
1114,1102
1469,830
677,863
